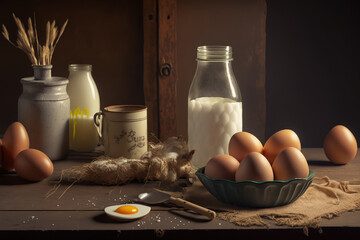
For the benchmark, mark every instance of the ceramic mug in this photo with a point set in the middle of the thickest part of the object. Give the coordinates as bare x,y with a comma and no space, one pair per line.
123,130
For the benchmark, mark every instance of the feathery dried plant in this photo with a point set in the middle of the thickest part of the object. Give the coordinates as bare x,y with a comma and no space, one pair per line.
28,41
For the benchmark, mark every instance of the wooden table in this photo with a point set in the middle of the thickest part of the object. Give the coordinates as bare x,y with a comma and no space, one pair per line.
25,211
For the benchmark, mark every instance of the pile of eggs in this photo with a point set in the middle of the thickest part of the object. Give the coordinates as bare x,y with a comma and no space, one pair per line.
279,159
30,164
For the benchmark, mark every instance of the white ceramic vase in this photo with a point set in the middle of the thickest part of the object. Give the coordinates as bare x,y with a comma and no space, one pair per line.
43,109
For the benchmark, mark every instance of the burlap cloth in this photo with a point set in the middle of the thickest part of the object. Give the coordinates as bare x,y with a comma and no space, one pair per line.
325,198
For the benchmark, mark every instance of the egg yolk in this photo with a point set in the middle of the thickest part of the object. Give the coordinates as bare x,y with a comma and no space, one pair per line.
127,209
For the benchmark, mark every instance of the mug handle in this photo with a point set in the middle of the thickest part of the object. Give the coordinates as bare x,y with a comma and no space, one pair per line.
97,121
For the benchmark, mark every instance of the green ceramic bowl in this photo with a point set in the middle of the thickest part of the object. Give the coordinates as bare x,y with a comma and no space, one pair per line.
255,194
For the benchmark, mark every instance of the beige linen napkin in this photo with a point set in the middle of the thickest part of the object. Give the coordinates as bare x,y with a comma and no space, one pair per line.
325,198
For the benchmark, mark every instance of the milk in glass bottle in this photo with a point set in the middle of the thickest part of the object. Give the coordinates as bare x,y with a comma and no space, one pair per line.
214,104
84,103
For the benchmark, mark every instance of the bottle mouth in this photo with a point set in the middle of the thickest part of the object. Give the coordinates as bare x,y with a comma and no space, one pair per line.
80,67
214,53
42,72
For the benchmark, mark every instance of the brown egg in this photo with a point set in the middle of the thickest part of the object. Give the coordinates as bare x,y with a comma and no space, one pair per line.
33,165
290,163
340,145
254,167
278,142
243,143
15,140
222,166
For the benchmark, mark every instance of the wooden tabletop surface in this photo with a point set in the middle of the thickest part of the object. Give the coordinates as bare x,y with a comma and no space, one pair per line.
27,210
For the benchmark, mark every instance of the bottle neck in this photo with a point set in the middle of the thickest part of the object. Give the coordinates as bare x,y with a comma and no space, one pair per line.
42,72
214,68
79,74
214,79
214,60
223,63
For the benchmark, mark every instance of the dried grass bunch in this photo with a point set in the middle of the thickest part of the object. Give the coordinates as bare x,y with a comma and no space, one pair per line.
165,161
28,41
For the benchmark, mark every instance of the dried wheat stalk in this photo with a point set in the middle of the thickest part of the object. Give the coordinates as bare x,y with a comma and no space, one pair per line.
28,41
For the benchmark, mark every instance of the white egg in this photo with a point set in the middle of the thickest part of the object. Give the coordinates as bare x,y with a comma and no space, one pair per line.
128,216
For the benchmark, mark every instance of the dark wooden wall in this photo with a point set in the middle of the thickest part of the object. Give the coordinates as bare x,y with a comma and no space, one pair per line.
312,67
107,34
311,64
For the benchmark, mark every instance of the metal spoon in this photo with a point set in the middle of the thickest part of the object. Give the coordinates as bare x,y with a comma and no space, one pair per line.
160,197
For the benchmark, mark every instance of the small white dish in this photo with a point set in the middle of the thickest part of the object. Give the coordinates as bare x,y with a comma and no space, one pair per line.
142,211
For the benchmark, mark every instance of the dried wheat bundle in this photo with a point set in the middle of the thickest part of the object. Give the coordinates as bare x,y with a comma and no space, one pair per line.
165,161
28,41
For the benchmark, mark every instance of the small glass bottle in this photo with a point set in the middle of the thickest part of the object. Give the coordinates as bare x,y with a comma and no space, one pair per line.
214,104
84,103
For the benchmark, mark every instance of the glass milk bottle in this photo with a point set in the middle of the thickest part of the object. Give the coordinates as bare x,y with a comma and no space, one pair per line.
84,103
214,104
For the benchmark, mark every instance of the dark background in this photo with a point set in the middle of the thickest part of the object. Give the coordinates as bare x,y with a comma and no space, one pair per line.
296,62
106,34
312,67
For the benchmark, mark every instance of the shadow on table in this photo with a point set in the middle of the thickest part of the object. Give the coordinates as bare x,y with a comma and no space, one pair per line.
187,214
320,163
13,179
103,218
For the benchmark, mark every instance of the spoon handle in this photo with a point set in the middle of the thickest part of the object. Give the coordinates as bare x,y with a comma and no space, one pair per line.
191,206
